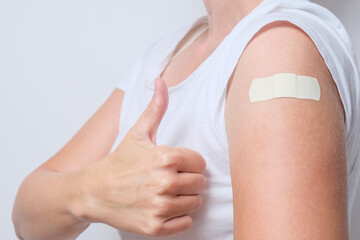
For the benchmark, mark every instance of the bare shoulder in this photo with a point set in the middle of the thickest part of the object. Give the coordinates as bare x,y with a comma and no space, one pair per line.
282,47
287,155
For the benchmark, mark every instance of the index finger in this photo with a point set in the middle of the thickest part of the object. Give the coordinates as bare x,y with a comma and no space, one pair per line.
192,161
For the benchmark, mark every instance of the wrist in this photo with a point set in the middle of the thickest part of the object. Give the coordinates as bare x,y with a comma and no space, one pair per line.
79,206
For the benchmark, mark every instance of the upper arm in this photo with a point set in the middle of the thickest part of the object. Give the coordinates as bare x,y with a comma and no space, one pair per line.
94,140
287,155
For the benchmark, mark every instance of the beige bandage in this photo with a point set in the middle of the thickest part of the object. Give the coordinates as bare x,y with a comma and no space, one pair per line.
284,85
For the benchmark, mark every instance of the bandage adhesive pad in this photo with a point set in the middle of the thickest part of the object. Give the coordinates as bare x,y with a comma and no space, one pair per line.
284,85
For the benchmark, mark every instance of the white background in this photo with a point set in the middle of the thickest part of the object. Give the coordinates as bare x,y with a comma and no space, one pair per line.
59,61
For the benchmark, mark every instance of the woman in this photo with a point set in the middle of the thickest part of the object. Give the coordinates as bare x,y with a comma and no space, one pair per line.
285,168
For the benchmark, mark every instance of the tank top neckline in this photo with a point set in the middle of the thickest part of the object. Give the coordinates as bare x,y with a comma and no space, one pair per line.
149,82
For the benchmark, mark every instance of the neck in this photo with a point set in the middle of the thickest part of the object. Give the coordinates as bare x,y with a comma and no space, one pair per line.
223,15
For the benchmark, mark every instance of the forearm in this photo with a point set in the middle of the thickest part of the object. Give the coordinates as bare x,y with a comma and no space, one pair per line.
46,204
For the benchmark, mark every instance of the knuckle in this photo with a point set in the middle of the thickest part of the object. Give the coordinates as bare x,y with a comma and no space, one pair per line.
161,154
168,184
167,156
154,229
162,207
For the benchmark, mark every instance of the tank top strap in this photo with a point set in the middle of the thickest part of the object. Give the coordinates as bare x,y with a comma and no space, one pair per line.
195,31
231,50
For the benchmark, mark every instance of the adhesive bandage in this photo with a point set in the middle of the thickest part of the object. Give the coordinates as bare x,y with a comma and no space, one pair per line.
284,85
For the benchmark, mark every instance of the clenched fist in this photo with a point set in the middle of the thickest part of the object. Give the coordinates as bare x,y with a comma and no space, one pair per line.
142,187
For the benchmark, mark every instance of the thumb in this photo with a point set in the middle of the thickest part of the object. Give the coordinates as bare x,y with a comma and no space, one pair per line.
147,125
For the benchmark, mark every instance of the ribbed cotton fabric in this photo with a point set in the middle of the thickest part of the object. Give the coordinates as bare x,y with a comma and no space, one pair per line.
195,114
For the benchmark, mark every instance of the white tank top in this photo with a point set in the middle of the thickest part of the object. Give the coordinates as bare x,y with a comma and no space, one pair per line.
195,114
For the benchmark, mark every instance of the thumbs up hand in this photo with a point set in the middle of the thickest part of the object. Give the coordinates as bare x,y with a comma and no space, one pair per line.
141,187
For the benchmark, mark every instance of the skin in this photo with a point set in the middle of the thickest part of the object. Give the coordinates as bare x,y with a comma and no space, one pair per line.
303,150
